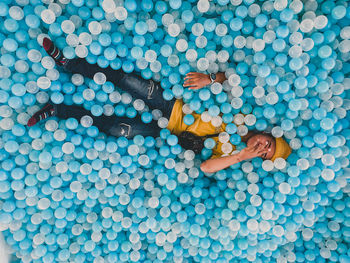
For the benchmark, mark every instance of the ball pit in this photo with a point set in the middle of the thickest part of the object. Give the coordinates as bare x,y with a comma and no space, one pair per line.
69,193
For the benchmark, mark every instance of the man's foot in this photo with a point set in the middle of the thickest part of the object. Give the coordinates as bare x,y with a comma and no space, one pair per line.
47,111
54,52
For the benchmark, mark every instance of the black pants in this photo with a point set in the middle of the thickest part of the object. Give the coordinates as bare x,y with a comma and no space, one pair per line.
149,91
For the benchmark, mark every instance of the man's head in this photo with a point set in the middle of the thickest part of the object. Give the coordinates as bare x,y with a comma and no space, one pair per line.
273,147
267,141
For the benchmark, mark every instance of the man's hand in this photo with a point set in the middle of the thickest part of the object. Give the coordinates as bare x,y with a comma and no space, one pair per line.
253,151
195,80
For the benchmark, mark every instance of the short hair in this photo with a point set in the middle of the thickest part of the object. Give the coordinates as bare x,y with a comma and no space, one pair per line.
190,141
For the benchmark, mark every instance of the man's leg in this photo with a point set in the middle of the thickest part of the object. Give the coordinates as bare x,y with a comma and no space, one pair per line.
129,128
81,66
103,122
147,90
111,125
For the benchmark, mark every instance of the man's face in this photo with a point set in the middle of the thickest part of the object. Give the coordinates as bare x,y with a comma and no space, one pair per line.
267,141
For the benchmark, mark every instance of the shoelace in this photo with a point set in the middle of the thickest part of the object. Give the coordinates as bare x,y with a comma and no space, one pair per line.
45,114
55,53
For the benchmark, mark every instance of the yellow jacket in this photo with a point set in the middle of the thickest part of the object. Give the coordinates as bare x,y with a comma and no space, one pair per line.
200,128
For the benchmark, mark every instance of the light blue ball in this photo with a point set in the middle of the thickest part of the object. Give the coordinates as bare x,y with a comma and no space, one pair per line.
209,143
338,12
10,44
141,28
32,21
188,119
146,117
15,102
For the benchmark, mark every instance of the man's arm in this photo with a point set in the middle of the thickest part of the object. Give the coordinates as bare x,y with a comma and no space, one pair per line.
217,164
196,80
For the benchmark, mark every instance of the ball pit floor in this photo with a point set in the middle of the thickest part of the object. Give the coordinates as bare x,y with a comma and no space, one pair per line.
70,193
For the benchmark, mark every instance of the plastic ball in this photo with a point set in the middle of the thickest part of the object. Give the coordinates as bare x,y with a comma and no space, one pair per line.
188,119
